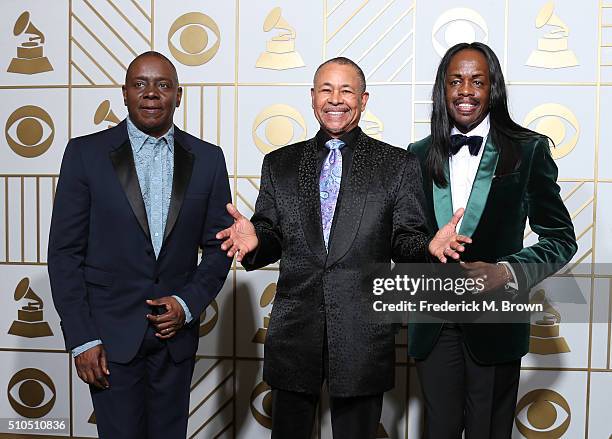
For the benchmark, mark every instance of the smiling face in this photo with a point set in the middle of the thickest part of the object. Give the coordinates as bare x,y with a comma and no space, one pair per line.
338,98
151,93
468,87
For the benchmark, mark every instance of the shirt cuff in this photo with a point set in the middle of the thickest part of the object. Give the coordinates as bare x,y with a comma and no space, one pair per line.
84,347
513,282
188,316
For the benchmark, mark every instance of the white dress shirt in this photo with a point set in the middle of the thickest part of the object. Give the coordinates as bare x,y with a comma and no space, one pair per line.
463,167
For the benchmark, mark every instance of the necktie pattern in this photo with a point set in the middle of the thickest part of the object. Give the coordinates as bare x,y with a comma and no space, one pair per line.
329,185
459,140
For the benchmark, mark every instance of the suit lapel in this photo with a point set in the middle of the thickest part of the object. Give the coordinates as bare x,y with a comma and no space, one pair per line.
183,167
348,216
442,200
310,204
480,189
123,162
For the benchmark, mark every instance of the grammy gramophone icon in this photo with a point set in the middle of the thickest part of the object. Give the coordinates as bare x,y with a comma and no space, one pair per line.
29,321
104,113
266,298
552,51
280,51
544,337
30,58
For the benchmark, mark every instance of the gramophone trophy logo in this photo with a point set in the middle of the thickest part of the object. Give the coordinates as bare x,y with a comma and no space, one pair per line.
280,53
30,58
104,113
545,338
552,51
30,322
372,125
266,299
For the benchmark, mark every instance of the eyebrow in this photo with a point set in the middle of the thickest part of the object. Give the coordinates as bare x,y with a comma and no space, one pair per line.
329,84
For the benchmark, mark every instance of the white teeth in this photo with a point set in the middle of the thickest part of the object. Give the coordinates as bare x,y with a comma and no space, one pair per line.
466,105
335,113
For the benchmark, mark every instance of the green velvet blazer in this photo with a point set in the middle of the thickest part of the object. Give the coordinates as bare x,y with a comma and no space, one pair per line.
495,218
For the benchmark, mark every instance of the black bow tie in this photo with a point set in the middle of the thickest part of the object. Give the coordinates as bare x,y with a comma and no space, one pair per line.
458,140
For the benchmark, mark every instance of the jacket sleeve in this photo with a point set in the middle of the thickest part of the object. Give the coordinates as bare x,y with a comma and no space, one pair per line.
67,248
212,271
411,235
266,222
549,219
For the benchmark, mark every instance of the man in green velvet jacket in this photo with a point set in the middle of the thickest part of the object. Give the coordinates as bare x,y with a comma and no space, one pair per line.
501,173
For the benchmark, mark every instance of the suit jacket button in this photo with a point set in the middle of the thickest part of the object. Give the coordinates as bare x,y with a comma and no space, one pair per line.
156,280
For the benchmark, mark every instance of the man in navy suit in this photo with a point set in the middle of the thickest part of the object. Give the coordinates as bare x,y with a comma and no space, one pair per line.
133,206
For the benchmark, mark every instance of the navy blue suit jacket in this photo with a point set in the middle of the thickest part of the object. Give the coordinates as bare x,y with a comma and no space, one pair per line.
101,261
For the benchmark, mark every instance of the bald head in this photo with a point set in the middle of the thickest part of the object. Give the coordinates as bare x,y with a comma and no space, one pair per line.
152,54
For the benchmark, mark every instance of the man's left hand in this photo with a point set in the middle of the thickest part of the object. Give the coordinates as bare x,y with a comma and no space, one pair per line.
493,276
172,320
447,243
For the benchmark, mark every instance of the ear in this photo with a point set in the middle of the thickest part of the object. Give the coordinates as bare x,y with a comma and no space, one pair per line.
312,97
179,95
124,92
364,100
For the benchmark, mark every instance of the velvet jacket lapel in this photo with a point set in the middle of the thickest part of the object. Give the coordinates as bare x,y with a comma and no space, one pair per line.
442,199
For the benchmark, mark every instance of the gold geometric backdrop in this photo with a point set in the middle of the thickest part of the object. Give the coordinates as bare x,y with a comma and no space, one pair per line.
246,68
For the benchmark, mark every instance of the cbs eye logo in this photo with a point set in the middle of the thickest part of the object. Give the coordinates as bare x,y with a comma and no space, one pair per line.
262,396
553,120
193,39
280,127
29,131
208,325
539,415
461,25
31,393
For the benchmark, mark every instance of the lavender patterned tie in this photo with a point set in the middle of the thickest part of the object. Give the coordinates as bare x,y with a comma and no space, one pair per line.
329,185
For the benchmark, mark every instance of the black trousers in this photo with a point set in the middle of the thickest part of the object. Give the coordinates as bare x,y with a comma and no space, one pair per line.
293,415
148,397
461,394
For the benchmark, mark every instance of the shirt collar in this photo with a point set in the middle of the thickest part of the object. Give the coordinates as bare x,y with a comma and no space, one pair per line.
349,138
482,129
139,138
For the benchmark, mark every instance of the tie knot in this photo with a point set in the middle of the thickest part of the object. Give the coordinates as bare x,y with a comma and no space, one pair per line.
459,140
334,144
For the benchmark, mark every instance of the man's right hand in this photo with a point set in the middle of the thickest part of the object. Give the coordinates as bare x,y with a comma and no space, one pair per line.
240,238
92,367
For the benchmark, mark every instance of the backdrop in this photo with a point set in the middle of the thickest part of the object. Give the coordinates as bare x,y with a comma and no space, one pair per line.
246,68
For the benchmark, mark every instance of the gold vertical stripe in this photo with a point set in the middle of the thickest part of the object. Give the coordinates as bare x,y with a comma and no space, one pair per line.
202,112
22,194
218,116
609,323
235,185
184,109
413,85
70,60
6,218
152,24
37,219
324,31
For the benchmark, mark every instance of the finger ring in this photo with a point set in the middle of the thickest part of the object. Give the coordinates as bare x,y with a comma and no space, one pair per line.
99,378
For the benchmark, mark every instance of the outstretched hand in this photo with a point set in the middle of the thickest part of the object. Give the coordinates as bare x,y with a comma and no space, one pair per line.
447,243
240,238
